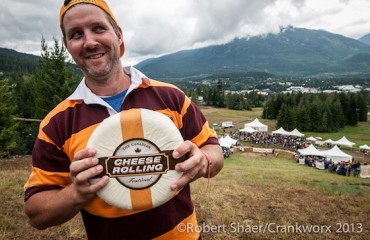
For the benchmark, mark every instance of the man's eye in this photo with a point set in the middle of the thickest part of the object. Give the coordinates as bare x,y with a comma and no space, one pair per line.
76,35
99,29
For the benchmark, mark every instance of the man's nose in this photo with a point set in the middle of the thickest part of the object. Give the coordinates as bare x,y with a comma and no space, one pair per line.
90,41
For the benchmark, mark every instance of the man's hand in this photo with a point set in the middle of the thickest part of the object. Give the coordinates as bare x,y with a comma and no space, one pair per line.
82,169
196,166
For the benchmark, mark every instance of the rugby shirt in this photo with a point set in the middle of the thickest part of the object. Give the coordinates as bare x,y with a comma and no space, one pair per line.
66,130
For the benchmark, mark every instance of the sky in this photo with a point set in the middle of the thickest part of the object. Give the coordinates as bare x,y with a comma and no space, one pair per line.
153,28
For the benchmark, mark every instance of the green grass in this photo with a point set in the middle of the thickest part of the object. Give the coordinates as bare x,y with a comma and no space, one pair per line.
250,189
269,170
359,134
254,190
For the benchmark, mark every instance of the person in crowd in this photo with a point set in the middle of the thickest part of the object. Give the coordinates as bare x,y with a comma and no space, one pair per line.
356,168
59,187
349,169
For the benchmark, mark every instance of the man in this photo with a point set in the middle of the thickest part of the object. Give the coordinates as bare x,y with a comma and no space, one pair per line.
59,187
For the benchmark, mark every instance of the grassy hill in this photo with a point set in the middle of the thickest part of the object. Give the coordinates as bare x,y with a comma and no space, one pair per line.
252,190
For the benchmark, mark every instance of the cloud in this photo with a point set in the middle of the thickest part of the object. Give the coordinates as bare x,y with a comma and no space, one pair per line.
153,28
175,25
23,23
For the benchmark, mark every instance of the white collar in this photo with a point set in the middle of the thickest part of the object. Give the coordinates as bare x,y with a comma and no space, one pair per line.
82,92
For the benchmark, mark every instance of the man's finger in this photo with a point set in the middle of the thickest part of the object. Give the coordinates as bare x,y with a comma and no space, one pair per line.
187,164
84,153
77,167
99,184
183,149
87,174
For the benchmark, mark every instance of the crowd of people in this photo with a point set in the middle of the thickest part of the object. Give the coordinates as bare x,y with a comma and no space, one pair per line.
284,141
344,168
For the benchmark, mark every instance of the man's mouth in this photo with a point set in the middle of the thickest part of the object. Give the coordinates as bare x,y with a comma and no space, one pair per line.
96,56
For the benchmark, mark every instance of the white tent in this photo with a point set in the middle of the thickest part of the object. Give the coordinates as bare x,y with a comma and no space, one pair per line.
231,140
280,131
364,147
248,130
329,141
311,139
257,125
311,151
295,132
337,155
344,142
224,143
227,141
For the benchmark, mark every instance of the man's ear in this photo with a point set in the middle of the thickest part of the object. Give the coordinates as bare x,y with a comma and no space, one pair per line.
119,34
65,42
122,43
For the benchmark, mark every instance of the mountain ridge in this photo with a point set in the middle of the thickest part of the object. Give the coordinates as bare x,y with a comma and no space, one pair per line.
365,39
14,61
291,52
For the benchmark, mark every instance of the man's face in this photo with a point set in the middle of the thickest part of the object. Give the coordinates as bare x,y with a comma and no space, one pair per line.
92,41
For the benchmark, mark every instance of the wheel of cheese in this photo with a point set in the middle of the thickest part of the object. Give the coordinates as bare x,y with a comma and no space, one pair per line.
134,147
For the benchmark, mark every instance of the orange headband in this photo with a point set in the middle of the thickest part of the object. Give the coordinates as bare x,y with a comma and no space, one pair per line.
99,3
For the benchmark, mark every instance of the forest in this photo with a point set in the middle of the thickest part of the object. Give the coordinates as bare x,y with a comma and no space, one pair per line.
30,96
319,112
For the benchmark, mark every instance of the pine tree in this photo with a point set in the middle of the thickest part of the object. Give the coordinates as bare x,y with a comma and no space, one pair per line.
284,118
7,124
293,111
23,97
267,109
219,94
52,80
303,117
337,114
315,115
362,106
345,103
352,111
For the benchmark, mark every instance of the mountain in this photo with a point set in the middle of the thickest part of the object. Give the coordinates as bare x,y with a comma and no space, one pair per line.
365,39
291,52
13,61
